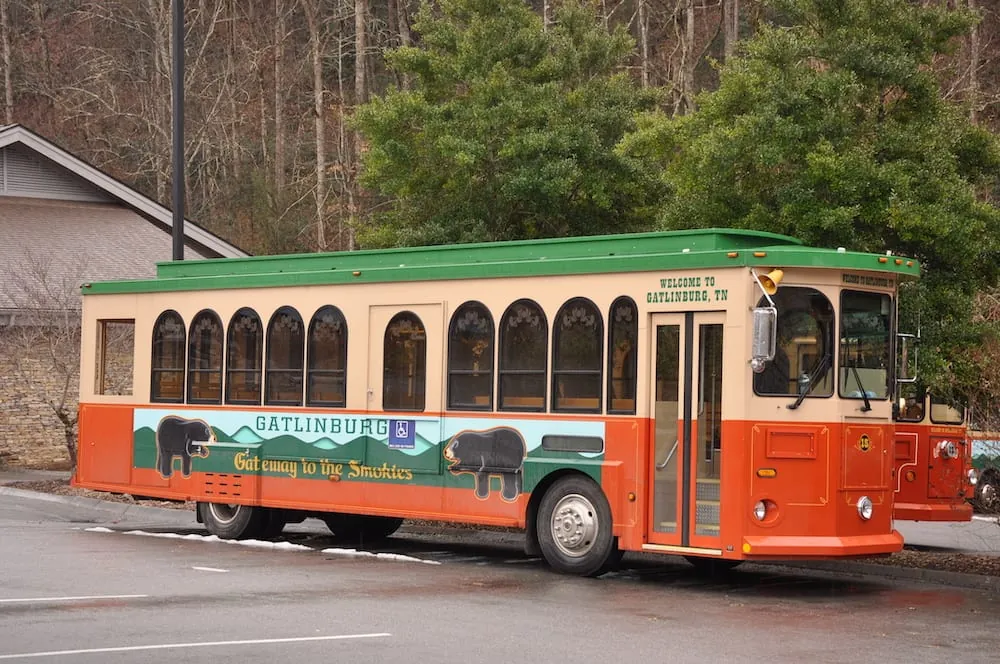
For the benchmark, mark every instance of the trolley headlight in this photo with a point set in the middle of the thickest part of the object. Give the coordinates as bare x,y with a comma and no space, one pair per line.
865,507
973,476
948,450
760,510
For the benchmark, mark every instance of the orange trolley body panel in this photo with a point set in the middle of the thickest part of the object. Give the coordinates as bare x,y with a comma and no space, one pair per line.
931,484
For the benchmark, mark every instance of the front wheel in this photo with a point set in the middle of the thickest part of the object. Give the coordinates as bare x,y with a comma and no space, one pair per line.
233,521
574,527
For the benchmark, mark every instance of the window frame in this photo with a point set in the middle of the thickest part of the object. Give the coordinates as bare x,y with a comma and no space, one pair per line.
258,360
191,370
634,361
341,357
492,347
155,371
270,373
420,364
501,372
557,373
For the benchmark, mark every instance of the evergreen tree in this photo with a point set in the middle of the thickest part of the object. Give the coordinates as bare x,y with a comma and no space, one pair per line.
832,128
507,130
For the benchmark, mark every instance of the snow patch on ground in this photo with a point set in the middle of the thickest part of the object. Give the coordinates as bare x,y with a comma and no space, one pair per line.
273,546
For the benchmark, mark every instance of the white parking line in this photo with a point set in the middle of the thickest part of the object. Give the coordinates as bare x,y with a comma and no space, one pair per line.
210,569
70,599
979,517
208,644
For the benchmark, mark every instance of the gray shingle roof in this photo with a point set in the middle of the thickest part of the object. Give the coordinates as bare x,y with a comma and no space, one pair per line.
66,243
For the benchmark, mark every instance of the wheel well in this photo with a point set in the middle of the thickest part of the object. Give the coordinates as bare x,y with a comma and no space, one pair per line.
531,546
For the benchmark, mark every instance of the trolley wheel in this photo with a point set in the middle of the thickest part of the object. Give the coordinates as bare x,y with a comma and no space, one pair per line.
988,492
712,566
359,528
234,521
574,528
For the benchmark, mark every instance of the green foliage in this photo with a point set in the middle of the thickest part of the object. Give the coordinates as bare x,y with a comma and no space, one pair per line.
833,129
508,130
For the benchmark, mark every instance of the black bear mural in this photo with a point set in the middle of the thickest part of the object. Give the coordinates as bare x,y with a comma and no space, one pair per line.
177,437
498,451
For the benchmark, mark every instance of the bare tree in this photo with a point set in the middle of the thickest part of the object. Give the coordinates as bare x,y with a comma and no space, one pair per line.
42,340
8,85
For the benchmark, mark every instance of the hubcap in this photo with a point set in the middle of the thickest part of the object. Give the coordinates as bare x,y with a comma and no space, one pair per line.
574,525
223,513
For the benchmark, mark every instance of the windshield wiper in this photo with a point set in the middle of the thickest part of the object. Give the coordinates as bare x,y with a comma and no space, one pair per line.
817,374
864,394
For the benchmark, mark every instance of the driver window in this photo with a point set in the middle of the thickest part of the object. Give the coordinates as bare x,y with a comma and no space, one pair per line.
803,356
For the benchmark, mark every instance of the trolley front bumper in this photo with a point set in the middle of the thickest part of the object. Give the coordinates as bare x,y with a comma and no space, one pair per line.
791,547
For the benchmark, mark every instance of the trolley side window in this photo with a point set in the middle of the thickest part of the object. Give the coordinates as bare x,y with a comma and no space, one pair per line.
946,412
205,359
404,363
115,357
803,355
470,358
245,346
167,367
623,321
577,358
865,354
285,358
327,373
524,337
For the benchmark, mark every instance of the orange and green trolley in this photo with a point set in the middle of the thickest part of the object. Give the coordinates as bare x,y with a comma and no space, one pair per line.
718,394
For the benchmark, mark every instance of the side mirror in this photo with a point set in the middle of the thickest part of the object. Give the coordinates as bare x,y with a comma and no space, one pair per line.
906,369
765,334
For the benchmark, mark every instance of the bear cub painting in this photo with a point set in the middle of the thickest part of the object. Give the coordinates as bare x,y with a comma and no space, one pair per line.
177,437
498,451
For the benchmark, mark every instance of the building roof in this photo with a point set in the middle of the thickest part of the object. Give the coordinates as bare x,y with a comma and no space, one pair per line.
211,245
640,252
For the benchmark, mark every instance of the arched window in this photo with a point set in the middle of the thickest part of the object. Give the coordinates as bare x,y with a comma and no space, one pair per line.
245,345
404,364
577,357
167,369
327,373
623,341
470,358
205,359
285,353
524,338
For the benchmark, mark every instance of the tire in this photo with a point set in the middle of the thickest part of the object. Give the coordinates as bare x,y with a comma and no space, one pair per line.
360,529
234,521
988,492
574,528
712,566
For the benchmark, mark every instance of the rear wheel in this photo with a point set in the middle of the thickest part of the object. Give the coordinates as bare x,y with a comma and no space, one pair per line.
234,521
358,528
574,528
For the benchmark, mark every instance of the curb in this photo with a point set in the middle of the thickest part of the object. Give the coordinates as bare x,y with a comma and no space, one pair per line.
867,570
117,511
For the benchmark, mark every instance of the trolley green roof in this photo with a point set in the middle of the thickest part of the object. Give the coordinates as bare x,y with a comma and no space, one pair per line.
599,254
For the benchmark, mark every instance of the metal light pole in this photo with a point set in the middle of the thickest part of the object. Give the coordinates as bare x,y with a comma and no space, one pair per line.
178,122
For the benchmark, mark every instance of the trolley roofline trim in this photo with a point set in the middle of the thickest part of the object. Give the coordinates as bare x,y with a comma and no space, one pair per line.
646,252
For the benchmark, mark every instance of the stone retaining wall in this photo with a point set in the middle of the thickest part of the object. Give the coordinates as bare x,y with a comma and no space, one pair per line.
31,435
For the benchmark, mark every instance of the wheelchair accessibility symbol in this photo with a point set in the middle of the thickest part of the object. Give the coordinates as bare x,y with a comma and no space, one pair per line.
401,434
